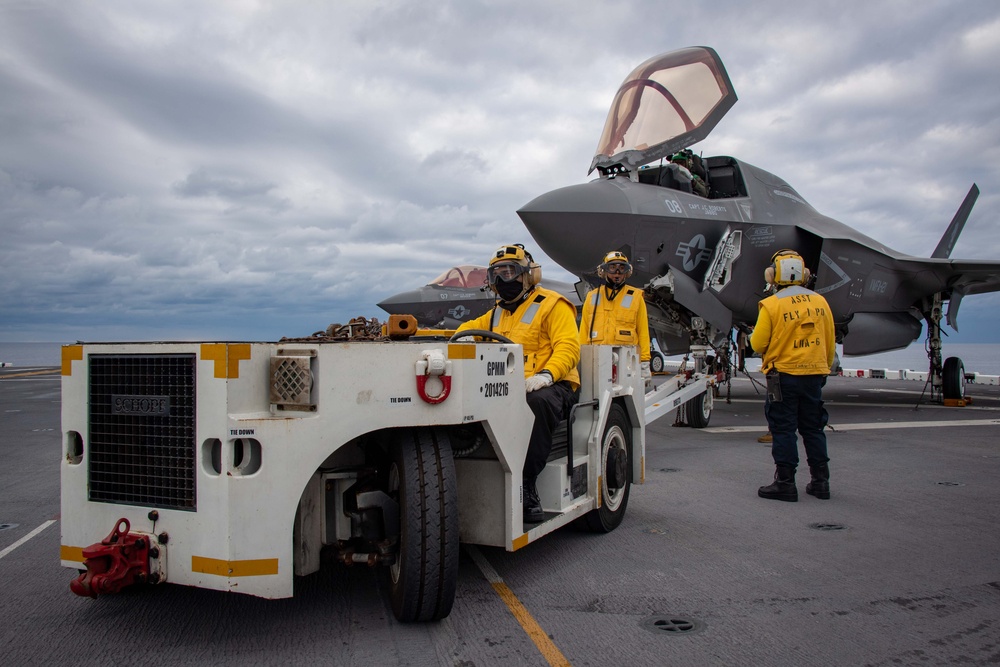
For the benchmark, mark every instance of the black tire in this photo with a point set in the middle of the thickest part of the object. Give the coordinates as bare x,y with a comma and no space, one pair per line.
656,362
699,410
615,473
953,376
422,478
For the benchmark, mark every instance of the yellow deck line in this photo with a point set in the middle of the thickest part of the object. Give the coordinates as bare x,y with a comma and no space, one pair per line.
51,371
545,645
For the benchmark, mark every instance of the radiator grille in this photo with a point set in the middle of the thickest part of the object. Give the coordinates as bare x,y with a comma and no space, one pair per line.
291,382
142,430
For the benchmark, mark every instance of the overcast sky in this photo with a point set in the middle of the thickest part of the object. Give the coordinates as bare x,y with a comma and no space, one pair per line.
253,170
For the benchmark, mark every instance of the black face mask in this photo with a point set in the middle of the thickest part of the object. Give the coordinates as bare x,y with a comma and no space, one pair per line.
508,291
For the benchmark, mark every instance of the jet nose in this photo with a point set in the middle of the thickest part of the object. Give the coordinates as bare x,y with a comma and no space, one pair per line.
400,304
576,225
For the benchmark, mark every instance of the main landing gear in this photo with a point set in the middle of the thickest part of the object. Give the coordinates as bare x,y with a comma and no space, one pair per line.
947,379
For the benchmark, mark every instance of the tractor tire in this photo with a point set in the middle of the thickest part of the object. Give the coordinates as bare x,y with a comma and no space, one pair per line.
423,579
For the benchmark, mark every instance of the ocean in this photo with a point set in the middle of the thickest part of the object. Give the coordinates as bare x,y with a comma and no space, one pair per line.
978,358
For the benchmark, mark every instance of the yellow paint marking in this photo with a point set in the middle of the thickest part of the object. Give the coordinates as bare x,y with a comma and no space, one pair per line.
74,554
519,542
70,353
227,357
234,568
545,645
466,351
29,374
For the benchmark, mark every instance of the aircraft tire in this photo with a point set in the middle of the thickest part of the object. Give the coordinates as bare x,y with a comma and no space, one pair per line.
953,377
699,410
615,477
656,362
423,579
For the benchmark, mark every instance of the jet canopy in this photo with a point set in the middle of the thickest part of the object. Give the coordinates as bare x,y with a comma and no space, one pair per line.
467,276
666,104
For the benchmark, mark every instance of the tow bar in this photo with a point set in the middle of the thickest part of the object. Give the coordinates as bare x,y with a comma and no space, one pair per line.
119,560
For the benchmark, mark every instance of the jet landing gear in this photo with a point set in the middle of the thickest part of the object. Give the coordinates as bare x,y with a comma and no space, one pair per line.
947,380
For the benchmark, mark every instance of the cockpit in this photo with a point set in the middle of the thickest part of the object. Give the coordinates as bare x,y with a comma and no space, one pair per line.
465,276
666,104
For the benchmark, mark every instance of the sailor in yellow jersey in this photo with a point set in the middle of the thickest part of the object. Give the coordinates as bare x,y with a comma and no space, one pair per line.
543,322
615,313
795,337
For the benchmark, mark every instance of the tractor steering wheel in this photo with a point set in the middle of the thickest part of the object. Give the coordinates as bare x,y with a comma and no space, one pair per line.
482,333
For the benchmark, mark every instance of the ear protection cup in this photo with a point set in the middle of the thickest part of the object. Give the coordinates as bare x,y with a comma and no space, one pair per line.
534,274
769,275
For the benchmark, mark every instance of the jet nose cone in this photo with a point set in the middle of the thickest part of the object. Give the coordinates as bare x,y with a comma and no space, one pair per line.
400,304
577,225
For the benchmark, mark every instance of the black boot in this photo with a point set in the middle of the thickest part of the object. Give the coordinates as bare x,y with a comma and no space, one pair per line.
532,505
783,487
820,484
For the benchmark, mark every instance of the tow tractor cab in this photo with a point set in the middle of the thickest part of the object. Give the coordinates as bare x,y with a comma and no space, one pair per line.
231,466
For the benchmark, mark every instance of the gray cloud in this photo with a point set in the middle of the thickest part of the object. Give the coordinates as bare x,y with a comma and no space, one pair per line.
208,170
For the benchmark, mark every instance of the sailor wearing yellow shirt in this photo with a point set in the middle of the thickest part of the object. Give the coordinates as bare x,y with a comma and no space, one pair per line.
615,313
543,322
795,337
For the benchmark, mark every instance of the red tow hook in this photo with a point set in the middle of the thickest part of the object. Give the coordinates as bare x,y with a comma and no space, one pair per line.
119,560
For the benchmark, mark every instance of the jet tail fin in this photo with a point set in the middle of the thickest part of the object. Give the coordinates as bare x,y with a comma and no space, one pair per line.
947,242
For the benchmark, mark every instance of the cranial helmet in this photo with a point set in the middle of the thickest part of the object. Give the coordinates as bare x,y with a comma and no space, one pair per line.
512,262
787,268
614,257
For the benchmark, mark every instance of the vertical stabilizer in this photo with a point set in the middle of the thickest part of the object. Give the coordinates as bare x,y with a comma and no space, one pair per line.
947,242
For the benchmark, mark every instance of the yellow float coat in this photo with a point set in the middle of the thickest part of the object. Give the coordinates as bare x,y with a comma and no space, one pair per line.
544,324
618,321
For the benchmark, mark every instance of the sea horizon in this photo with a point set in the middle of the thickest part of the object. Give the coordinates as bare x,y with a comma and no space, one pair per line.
983,358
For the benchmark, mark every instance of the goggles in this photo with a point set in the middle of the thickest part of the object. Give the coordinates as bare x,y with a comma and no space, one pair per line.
615,268
505,271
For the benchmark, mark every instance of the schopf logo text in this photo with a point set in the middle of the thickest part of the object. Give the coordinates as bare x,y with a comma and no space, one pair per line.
156,406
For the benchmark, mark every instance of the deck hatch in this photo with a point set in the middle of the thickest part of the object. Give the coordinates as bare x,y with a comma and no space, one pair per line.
142,430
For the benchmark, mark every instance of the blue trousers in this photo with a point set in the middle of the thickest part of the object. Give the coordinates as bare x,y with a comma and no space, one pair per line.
800,409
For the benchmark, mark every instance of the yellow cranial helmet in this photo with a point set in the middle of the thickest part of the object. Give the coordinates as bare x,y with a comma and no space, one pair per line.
787,268
513,261
616,259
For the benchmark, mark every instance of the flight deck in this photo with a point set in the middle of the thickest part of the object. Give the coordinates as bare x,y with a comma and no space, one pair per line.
900,566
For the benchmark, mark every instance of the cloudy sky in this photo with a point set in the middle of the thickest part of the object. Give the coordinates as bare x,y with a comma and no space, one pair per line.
251,170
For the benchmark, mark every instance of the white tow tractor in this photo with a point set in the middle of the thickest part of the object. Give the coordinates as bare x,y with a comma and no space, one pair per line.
231,466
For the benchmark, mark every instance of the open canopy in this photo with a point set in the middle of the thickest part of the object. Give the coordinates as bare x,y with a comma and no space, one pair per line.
666,104
467,276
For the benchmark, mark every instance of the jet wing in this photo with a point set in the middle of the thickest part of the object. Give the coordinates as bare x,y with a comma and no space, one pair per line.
964,276
976,277
666,104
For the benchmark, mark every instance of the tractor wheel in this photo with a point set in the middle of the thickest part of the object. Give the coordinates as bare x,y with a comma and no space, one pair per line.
616,464
422,479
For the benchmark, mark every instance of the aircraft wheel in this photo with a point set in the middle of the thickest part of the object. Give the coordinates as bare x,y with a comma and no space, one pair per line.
616,449
656,363
423,579
954,378
699,410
